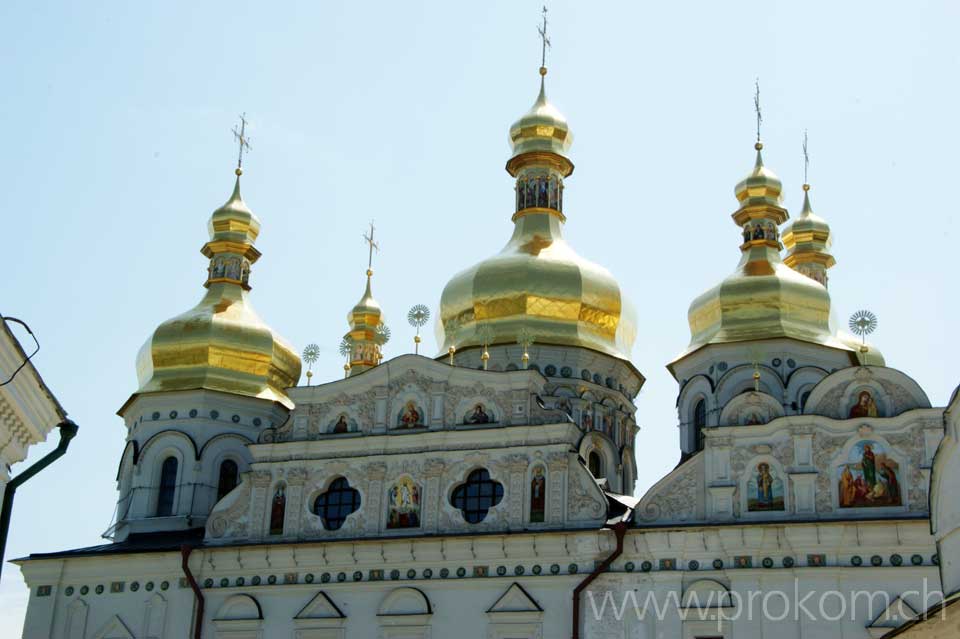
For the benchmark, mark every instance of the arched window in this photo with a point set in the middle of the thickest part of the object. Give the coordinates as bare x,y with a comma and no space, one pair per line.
476,496
168,487
338,503
595,464
228,478
699,422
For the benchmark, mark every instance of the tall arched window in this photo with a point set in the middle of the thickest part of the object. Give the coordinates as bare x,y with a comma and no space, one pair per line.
699,422
595,464
228,478
168,487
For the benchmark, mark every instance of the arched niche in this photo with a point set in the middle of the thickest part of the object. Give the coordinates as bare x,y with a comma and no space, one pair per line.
706,593
839,394
739,379
405,612
750,409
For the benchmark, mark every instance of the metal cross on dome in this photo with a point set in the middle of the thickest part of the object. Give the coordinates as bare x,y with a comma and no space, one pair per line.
756,106
368,238
545,41
242,140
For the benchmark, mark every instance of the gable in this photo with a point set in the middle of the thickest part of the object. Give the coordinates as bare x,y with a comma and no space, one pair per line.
515,599
893,616
114,629
320,607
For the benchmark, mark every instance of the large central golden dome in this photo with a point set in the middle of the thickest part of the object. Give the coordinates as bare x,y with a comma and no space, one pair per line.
537,285
222,344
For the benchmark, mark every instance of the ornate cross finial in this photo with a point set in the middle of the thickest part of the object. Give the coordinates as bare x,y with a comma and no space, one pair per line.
368,238
756,106
545,43
806,159
242,141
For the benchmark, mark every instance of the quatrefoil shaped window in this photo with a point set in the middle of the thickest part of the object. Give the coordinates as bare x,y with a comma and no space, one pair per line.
476,496
339,502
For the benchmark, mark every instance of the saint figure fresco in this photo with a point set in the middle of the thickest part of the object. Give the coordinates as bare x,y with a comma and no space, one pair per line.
478,415
538,495
278,508
869,478
410,416
764,490
865,406
404,504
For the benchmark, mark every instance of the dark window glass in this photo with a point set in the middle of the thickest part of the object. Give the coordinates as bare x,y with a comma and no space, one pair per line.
699,421
228,478
168,487
803,400
476,496
335,505
595,464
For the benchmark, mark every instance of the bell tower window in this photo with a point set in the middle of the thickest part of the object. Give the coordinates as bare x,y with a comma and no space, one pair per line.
168,487
595,464
699,422
228,478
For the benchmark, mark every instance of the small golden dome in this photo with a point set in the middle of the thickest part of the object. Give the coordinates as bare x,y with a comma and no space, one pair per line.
761,187
537,285
543,129
808,239
222,344
763,298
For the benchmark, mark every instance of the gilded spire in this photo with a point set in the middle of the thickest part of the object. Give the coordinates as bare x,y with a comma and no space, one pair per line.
367,332
222,344
808,238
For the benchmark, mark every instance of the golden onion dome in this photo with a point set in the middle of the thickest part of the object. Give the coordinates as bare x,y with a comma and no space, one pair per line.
542,129
763,298
221,344
808,242
365,337
537,285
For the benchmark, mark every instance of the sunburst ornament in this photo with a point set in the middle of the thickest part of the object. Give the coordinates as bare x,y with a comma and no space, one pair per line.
418,316
863,322
383,334
346,346
525,339
310,355
486,335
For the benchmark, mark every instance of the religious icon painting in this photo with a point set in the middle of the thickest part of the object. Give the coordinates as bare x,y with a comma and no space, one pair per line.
864,406
342,424
538,495
764,489
411,415
478,415
403,504
869,477
278,507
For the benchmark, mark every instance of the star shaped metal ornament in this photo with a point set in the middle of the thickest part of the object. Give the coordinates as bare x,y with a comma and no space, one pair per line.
863,322
418,316
311,354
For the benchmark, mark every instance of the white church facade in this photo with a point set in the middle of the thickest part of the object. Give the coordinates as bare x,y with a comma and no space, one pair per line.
487,492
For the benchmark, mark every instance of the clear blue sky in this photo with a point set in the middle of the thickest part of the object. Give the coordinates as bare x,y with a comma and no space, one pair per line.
116,147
